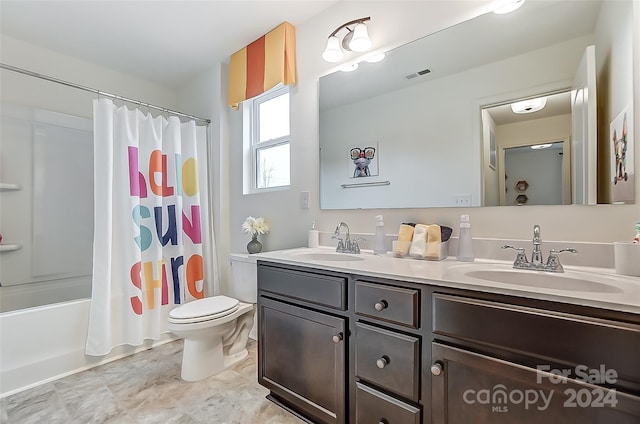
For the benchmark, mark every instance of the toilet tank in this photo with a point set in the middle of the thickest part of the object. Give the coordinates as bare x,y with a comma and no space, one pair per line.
244,281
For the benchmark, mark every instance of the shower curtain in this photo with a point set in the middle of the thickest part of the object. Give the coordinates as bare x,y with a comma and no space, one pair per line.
151,226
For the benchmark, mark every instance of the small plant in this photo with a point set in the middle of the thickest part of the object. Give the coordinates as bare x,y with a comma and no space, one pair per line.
255,226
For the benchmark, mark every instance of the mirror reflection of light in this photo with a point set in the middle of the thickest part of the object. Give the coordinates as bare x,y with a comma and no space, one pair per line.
376,58
541,146
350,68
509,7
529,106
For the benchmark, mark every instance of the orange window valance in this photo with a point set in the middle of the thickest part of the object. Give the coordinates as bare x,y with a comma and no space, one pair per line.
263,64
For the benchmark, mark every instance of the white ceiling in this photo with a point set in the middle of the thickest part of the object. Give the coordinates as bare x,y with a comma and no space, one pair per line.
167,42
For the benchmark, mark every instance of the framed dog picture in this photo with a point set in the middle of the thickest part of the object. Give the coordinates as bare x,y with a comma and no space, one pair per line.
363,160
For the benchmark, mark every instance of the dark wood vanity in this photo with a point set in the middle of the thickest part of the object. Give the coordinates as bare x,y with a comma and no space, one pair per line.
342,348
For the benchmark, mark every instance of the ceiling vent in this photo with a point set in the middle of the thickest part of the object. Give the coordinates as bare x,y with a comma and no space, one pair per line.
418,74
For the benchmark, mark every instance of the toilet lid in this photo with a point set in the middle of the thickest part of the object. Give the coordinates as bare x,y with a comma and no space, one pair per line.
216,305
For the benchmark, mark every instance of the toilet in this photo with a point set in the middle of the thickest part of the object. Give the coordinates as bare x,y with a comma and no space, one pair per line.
215,329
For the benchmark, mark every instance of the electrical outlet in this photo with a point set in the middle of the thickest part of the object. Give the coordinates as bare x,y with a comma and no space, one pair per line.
462,200
304,200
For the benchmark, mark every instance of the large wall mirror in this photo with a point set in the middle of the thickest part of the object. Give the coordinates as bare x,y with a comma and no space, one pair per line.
432,124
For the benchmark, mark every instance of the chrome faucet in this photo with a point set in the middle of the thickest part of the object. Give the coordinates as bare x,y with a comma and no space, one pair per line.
536,254
537,263
345,245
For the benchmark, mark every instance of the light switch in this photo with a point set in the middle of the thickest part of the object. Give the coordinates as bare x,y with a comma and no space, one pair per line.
304,199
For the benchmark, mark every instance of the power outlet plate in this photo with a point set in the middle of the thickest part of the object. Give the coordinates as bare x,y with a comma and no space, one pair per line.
462,200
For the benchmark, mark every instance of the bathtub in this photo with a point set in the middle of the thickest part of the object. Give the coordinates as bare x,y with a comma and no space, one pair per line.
44,343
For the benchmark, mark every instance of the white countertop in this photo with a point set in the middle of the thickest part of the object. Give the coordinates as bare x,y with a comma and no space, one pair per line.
621,293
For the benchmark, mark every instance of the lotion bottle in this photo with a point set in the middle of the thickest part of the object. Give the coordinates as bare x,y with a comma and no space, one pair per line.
379,248
465,243
313,239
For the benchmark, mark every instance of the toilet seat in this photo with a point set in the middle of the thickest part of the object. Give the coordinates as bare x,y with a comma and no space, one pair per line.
206,309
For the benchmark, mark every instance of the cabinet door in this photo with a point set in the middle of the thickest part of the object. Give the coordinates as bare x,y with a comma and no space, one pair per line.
301,359
472,388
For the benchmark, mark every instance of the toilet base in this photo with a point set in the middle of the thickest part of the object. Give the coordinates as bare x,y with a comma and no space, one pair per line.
206,353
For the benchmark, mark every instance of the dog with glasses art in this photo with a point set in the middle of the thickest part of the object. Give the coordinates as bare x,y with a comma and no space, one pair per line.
362,159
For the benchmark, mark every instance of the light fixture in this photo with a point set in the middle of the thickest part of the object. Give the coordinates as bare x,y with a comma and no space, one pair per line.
541,146
508,7
350,68
357,40
529,106
375,58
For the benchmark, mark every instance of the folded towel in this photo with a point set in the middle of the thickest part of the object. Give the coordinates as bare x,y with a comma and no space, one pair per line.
419,242
405,235
446,232
434,238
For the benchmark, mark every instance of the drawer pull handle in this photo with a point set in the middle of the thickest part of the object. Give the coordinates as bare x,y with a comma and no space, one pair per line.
382,362
436,369
337,338
381,305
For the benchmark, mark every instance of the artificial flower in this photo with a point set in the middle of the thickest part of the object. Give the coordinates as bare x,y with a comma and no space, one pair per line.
255,226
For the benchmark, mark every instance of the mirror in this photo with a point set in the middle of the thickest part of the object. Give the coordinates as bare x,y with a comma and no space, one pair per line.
426,106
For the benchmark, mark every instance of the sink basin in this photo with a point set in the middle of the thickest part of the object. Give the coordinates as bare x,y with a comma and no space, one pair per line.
567,281
328,256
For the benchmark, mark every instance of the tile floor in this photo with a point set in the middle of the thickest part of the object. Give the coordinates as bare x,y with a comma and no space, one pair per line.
146,388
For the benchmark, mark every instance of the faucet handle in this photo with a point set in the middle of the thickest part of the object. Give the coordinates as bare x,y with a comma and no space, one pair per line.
521,258
553,262
355,248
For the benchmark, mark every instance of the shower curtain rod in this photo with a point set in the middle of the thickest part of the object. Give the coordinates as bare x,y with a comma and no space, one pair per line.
101,93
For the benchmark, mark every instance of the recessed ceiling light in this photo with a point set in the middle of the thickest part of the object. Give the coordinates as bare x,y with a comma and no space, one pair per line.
541,146
376,58
350,68
508,7
529,106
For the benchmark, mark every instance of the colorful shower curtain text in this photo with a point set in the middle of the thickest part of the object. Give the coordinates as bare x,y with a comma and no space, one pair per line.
147,276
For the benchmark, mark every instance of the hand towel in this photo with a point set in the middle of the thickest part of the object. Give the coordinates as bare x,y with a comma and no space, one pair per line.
434,238
405,235
419,242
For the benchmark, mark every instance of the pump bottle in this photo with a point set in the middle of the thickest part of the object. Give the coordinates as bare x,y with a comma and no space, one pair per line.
378,247
465,243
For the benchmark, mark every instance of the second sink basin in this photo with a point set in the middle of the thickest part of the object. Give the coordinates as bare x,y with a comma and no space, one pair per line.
503,274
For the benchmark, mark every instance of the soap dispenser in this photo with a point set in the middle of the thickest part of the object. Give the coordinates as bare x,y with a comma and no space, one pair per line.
313,237
379,248
465,243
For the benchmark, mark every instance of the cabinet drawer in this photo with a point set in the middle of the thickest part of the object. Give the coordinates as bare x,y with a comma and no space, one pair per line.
548,336
375,407
389,360
388,303
325,290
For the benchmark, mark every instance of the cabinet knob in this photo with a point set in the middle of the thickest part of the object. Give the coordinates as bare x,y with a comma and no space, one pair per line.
436,369
382,362
337,338
381,305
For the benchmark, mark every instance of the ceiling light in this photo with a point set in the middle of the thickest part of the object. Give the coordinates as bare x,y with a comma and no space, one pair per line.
541,146
508,7
375,58
357,40
529,106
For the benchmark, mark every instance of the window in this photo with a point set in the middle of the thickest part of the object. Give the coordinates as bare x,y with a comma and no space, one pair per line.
269,144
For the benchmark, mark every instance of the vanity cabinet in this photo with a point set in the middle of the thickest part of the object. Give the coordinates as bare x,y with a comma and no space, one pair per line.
495,362
387,347
342,348
302,349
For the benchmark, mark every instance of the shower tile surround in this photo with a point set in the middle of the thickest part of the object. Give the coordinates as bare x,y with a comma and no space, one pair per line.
146,388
